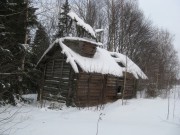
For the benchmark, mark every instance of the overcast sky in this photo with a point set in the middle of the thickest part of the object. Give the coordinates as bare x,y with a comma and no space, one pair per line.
164,14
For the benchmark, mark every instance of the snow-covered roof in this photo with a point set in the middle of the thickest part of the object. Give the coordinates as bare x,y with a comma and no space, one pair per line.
102,61
99,30
129,64
84,39
81,23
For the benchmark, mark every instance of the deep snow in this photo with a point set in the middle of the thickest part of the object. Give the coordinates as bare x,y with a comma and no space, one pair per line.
137,117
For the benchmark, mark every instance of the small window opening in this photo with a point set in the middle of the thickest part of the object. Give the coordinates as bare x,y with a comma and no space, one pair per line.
119,90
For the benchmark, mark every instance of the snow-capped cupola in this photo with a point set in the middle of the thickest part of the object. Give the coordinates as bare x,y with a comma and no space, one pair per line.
85,31
79,22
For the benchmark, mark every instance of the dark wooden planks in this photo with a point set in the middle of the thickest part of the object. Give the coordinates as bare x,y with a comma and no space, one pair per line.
57,78
95,89
82,47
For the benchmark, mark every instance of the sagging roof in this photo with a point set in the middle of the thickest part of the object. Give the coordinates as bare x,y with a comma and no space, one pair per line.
103,61
129,64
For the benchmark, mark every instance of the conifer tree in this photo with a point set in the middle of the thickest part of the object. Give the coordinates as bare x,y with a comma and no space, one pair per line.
16,18
64,21
41,43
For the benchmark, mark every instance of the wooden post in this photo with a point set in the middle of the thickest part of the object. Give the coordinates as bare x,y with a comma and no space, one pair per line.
53,68
42,86
104,88
89,77
124,83
60,79
70,85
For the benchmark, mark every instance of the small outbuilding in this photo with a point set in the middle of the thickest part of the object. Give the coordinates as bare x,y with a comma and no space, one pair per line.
80,72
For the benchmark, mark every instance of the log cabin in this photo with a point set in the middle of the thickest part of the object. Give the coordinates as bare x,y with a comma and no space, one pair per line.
80,72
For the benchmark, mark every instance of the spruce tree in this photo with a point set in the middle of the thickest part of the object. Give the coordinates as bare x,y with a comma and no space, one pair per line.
64,21
16,17
41,43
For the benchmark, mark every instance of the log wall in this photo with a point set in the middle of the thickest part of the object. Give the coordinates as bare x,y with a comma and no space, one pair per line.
58,79
130,88
94,89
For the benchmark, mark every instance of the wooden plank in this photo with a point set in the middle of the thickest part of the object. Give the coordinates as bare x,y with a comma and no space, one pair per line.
57,75
67,70
111,84
82,95
52,81
94,94
120,81
90,87
82,82
82,92
64,85
49,75
95,85
87,48
82,98
82,89
96,75
58,71
65,75
81,74
112,99
111,88
42,85
50,84
57,67
111,93
128,75
52,78
53,88
88,51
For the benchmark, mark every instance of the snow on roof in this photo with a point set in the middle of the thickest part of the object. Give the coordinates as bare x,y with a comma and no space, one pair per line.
131,66
102,62
68,38
99,30
81,23
85,40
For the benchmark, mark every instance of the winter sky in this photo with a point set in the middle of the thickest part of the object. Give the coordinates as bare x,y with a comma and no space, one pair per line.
164,14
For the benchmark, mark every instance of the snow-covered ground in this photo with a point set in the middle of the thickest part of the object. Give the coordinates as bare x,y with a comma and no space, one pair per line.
138,117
